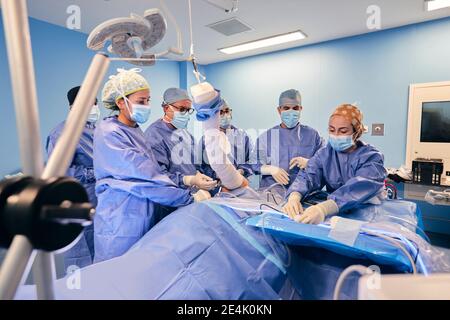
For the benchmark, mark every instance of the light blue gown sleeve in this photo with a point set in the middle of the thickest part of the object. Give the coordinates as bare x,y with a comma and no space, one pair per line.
50,144
246,166
309,180
367,183
258,156
162,157
138,173
320,143
75,171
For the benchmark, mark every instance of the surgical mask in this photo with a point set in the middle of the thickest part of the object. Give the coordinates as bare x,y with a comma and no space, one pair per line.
290,118
341,143
94,114
225,121
139,113
180,121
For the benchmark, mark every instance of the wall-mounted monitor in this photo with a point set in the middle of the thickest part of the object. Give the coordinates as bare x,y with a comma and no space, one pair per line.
428,133
435,125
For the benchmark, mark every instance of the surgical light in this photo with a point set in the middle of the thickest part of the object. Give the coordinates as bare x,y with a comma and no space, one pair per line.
266,42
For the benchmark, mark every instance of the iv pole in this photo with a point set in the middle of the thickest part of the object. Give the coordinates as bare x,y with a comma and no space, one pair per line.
17,34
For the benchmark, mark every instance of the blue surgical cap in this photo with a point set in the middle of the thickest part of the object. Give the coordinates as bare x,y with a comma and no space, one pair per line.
290,98
173,95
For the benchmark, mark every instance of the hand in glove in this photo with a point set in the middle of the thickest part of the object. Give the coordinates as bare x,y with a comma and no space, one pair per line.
201,181
279,174
298,162
201,195
317,214
244,184
293,207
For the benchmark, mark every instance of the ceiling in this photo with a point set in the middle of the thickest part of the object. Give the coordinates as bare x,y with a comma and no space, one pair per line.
321,20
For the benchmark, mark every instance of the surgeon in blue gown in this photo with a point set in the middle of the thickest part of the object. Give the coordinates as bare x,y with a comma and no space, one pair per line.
352,171
129,180
283,150
172,144
81,168
240,143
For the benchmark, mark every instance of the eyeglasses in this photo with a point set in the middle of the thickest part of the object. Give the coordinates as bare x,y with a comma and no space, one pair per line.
183,110
286,108
225,112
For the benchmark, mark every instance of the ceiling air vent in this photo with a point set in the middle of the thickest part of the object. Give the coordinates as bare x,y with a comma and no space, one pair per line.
230,27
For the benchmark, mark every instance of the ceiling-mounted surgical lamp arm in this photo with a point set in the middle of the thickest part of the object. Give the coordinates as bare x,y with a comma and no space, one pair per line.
179,49
234,6
196,72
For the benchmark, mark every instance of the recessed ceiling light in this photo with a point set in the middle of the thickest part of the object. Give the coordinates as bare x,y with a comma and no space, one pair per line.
266,42
432,5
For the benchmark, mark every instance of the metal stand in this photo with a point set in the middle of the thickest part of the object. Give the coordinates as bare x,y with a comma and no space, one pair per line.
17,35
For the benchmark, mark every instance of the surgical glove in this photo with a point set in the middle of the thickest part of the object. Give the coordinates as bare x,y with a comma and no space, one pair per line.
201,195
201,181
293,207
279,174
241,171
317,214
244,184
298,162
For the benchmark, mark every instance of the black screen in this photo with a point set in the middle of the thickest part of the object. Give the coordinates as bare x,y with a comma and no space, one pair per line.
435,122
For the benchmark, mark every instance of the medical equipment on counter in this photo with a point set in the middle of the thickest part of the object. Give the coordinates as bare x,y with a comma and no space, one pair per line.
438,198
427,171
400,175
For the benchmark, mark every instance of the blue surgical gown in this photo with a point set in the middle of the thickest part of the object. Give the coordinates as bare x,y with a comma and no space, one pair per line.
241,147
352,178
174,150
82,169
129,184
278,146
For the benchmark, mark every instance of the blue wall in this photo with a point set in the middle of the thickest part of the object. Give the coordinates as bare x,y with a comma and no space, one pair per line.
61,60
374,70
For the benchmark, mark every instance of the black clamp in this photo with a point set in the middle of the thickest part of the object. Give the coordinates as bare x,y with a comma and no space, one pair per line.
50,213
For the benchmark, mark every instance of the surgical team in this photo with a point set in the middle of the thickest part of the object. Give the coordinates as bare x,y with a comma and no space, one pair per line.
135,178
